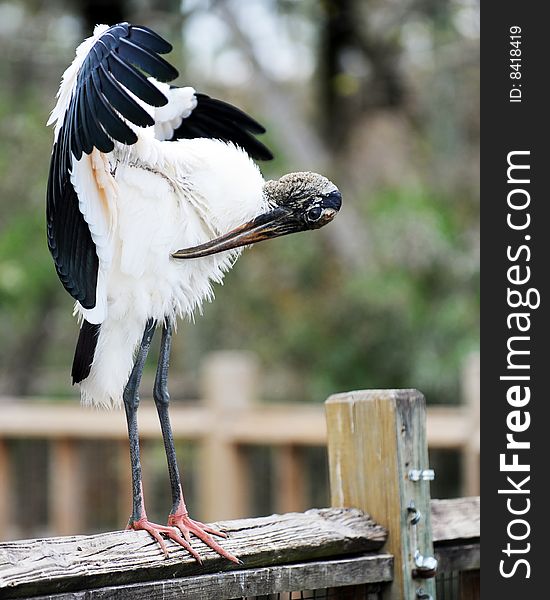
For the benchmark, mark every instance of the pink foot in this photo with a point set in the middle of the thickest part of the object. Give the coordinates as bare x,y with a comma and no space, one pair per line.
155,530
186,525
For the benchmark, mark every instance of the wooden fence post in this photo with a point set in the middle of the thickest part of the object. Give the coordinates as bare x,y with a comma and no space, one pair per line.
229,386
375,438
470,452
290,480
6,490
65,488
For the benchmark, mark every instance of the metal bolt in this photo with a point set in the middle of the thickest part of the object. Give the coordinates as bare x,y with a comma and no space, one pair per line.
421,475
416,514
426,566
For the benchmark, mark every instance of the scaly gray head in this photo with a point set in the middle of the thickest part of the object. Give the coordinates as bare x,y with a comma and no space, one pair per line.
298,202
309,197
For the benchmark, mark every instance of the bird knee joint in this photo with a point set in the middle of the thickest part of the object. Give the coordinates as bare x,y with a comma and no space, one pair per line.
161,396
131,401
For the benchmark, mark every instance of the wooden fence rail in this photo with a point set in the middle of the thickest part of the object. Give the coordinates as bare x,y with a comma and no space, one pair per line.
228,418
339,546
378,462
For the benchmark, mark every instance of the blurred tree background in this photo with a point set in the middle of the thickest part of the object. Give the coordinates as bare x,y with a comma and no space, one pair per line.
379,95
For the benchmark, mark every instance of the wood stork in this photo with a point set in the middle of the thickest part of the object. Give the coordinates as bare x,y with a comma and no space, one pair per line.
140,169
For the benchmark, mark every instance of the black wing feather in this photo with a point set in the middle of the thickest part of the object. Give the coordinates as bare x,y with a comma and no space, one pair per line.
104,142
238,135
87,137
112,123
99,99
148,38
85,351
106,85
77,145
148,61
69,240
225,110
216,119
135,81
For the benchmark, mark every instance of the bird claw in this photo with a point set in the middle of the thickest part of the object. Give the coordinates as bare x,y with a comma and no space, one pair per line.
204,532
156,530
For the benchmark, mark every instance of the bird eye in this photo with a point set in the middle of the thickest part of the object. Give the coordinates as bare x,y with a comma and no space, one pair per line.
314,213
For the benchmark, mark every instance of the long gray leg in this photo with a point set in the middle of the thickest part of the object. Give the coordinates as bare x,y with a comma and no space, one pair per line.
162,402
138,520
179,516
131,403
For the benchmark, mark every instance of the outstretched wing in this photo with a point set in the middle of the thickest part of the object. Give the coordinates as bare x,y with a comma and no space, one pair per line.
189,114
96,99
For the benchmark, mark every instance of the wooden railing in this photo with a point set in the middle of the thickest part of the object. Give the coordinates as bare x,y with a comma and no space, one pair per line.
228,418
378,459
341,547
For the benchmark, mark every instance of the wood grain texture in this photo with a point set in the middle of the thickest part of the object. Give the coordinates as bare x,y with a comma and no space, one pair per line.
456,533
455,525
455,519
236,584
457,557
55,565
374,438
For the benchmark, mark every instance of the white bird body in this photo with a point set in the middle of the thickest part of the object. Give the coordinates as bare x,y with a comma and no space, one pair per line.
162,196
142,202
152,192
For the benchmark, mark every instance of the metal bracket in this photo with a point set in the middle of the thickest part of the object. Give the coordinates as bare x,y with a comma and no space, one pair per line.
425,566
421,475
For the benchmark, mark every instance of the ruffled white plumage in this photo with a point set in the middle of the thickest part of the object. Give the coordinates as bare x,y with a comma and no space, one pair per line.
194,191
142,202
97,196
181,102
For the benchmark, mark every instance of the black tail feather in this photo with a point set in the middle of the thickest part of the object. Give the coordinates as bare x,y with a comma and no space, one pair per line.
85,350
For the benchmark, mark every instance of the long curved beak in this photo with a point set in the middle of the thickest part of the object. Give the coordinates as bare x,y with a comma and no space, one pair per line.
276,222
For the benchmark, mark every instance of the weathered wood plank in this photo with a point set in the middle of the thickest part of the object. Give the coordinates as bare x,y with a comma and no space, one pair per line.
456,533
455,526
457,557
455,519
447,426
275,424
371,568
55,565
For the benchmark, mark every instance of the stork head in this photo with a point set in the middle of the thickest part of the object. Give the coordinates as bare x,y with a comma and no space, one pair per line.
297,201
